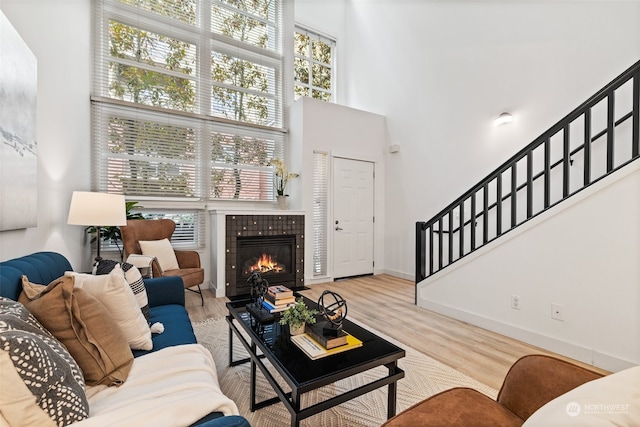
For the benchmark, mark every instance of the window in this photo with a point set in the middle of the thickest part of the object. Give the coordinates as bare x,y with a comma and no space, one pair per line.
320,217
190,227
313,65
188,98
189,232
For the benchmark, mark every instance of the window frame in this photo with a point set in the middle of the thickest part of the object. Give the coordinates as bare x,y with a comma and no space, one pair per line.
202,116
329,40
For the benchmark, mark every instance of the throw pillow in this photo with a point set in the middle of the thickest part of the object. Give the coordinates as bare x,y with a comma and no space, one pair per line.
608,401
114,292
134,279
162,250
86,329
40,383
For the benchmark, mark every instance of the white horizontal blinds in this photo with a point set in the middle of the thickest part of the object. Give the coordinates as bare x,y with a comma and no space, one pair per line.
190,226
145,153
247,61
238,163
313,64
188,99
147,57
320,209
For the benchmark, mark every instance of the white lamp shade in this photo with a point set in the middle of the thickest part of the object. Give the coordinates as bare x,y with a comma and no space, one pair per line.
97,209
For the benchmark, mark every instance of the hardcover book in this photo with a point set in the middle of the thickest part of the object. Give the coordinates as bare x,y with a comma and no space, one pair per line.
314,350
279,291
328,341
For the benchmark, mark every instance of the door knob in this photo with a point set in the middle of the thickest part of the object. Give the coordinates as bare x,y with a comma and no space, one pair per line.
338,229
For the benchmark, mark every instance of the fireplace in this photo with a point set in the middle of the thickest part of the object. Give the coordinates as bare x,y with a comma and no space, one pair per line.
272,256
273,244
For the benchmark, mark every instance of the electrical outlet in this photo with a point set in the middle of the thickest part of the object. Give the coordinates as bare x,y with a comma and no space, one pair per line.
515,302
557,311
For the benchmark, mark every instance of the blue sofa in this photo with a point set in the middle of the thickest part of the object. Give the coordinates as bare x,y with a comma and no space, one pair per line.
166,302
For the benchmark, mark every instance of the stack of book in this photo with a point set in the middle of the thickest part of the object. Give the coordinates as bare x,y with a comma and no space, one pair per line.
278,298
314,350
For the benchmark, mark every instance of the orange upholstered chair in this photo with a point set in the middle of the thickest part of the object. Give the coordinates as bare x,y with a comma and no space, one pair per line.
151,230
531,382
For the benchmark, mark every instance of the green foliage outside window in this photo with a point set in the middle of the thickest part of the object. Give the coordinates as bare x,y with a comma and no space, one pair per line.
147,67
312,66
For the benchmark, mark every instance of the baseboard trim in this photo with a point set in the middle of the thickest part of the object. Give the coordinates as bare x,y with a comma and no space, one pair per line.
582,354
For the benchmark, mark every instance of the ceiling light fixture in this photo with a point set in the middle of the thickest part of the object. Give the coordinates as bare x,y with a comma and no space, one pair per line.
504,118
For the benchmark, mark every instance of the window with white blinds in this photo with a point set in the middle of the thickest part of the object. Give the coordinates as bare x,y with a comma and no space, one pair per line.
190,227
189,233
314,64
188,98
320,209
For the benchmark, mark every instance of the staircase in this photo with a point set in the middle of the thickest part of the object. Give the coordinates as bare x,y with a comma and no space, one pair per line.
593,141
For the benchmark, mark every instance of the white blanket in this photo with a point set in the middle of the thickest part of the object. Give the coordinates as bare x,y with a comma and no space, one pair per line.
174,386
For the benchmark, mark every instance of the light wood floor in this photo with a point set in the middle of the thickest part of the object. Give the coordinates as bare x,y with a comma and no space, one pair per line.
386,303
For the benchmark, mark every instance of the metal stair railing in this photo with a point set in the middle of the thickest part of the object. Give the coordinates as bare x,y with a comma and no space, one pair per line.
564,160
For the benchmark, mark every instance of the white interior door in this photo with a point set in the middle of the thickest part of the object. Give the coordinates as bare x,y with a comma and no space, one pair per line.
352,217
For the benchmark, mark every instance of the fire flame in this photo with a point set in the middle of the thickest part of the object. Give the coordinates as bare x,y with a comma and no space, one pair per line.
266,264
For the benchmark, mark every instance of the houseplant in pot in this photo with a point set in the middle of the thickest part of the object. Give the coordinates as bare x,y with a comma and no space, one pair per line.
281,177
297,316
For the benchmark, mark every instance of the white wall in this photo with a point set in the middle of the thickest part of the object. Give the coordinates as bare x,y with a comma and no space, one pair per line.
59,35
441,71
582,255
341,132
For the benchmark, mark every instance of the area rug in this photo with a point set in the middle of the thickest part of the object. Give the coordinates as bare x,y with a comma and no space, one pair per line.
424,377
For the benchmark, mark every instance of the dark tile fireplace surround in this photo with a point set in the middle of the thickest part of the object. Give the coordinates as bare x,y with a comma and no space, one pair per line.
276,237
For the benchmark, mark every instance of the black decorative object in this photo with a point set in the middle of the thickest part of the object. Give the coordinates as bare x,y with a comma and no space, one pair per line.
333,307
258,290
329,332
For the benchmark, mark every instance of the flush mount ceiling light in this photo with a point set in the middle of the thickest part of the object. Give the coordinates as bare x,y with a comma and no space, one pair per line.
504,118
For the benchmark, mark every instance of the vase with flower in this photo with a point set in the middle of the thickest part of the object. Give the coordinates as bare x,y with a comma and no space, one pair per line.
281,177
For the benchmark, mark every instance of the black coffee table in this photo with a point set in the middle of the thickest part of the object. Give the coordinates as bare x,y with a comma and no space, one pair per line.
302,375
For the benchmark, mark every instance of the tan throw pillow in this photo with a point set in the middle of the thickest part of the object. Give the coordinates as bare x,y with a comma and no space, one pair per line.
114,292
162,250
86,329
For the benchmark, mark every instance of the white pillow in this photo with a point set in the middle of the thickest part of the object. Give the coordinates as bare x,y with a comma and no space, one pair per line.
613,400
114,292
162,250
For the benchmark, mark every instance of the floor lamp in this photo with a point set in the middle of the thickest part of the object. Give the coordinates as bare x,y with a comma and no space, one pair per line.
97,210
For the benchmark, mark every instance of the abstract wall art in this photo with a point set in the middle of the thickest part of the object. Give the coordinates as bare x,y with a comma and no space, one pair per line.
18,147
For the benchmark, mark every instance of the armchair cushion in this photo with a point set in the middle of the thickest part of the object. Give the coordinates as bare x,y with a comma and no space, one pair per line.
190,276
534,380
162,250
456,407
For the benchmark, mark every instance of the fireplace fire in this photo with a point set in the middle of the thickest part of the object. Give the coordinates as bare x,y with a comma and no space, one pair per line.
272,256
264,264
272,244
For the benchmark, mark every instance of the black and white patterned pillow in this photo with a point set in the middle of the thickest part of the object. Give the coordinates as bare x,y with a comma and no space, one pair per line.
43,371
133,277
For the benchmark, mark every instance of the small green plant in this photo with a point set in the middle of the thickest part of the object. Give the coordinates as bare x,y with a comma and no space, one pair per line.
112,233
298,314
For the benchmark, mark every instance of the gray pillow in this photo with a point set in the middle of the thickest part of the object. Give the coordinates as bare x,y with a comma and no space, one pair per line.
36,367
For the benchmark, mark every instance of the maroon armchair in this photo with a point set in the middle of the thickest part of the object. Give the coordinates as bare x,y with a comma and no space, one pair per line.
189,269
531,382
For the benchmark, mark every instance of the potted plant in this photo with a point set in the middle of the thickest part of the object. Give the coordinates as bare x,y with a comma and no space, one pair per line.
297,316
112,233
282,176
